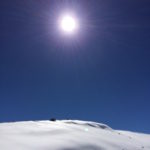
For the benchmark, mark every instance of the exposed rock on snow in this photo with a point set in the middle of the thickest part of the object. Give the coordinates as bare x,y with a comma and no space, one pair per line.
68,135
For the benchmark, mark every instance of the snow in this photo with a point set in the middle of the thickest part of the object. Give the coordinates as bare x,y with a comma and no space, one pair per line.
68,135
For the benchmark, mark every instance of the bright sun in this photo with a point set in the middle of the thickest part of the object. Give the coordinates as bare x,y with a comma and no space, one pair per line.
68,24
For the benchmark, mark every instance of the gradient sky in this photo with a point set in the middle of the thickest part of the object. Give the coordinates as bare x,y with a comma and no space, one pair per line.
101,73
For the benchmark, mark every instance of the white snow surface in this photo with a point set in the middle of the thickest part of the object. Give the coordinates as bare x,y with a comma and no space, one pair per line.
68,135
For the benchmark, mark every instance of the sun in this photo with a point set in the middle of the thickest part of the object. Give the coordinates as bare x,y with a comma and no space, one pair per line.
68,24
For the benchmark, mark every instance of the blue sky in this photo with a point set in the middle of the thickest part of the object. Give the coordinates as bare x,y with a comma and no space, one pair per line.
101,73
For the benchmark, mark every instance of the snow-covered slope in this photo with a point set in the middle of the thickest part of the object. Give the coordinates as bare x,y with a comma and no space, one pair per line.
68,135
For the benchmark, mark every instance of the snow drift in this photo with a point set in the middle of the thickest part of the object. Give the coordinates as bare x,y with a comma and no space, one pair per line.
68,135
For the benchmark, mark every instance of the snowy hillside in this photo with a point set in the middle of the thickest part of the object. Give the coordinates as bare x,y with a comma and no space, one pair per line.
68,135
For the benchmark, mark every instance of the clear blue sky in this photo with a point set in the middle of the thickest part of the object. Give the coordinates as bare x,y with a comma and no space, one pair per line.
102,73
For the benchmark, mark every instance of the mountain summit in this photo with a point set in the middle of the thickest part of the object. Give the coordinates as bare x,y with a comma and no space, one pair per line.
68,135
